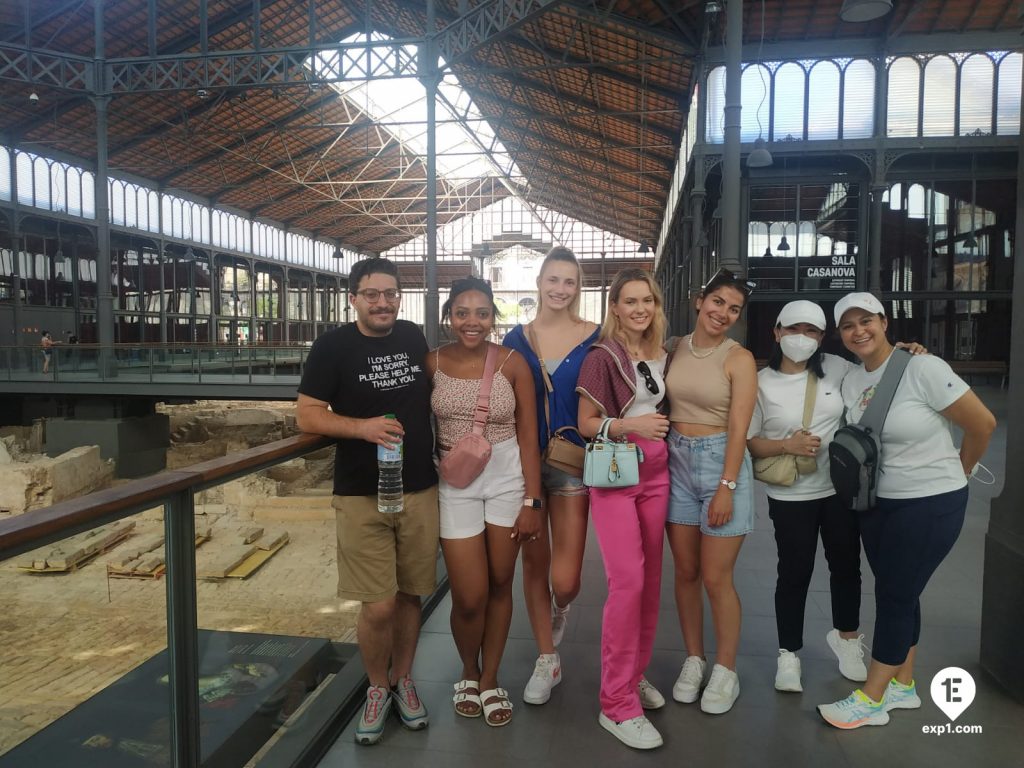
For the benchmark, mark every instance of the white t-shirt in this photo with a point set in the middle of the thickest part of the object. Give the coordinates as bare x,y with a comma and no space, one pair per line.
779,412
918,455
646,401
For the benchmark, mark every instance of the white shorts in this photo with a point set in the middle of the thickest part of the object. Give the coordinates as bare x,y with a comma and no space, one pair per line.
495,497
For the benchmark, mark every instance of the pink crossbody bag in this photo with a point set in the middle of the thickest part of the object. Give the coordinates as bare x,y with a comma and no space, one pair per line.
468,457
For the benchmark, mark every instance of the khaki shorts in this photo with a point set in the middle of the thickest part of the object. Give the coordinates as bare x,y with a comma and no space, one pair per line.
382,554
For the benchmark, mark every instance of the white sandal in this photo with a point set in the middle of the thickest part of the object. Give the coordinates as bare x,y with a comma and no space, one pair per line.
501,703
468,692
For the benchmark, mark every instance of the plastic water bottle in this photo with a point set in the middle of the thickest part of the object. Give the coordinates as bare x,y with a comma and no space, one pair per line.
389,476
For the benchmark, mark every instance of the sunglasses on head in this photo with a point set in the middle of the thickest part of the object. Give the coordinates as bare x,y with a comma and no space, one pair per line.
726,277
645,371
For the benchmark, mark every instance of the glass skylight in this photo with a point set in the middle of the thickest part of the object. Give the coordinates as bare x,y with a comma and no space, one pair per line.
399,106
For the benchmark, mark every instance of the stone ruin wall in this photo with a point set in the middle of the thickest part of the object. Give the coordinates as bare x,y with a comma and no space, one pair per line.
296,490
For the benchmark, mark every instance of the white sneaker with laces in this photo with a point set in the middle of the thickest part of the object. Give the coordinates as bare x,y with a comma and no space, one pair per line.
650,697
637,732
687,687
547,673
559,617
721,692
787,676
850,654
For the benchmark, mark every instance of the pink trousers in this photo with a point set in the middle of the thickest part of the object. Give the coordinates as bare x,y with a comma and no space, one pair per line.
630,526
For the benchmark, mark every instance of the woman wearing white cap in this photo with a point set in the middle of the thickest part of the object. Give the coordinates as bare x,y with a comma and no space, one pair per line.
921,500
809,507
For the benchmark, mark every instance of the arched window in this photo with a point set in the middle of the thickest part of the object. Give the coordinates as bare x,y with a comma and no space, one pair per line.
74,191
939,96
790,81
88,194
756,98
23,165
59,187
1008,106
757,239
904,96
917,206
976,81
805,242
823,101
5,174
41,179
115,200
715,128
259,236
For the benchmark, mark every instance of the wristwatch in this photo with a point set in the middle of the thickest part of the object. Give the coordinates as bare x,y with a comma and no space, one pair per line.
730,484
535,503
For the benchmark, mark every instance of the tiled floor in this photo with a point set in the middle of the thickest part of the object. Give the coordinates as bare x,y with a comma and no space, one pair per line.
765,728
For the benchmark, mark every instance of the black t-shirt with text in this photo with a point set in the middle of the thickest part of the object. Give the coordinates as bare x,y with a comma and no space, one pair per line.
366,376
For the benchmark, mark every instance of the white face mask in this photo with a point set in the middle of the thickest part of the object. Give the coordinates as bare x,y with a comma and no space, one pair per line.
798,347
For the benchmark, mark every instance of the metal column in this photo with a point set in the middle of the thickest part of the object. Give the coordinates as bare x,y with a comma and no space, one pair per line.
730,205
430,78
104,296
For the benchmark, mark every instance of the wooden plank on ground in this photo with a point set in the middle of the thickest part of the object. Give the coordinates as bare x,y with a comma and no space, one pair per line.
255,561
77,551
150,564
225,561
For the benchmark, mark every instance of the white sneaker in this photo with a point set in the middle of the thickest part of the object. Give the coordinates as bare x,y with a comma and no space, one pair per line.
787,676
547,673
637,732
687,687
850,654
559,617
722,691
650,697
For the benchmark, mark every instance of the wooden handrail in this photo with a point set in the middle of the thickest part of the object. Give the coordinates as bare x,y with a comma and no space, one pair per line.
23,532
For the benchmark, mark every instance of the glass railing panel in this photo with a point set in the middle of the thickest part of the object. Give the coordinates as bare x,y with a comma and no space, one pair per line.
82,649
273,632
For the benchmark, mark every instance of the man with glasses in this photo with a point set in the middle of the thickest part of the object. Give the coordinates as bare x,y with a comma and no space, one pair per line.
365,385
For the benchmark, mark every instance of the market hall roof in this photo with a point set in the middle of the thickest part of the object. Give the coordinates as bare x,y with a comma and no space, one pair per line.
588,98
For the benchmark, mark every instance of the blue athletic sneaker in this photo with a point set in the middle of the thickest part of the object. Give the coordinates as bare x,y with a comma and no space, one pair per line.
375,713
854,711
900,696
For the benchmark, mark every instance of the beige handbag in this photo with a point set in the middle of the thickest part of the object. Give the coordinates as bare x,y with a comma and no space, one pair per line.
786,468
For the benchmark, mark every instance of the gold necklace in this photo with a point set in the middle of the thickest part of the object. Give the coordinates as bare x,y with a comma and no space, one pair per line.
701,355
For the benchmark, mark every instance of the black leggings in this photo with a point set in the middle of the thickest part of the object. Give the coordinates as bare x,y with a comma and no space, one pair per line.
797,525
905,540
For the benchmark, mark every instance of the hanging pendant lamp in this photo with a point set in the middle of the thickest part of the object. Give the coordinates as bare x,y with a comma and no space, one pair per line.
864,10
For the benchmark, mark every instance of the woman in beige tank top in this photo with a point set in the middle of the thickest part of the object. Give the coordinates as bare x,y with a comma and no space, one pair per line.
712,387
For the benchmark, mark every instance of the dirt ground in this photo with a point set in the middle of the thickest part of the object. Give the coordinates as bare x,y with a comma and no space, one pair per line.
63,637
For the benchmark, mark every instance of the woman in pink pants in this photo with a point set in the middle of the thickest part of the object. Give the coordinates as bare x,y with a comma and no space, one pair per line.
621,383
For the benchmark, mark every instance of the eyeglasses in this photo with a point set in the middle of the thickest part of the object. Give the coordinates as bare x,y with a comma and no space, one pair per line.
373,295
726,277
645,371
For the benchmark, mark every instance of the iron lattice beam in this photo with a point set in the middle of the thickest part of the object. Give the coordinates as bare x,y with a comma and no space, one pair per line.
47,68
267,67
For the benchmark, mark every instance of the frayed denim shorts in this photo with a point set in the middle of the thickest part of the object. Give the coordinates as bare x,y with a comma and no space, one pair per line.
695,469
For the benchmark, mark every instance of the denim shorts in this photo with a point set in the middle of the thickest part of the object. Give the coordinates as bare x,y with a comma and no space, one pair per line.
559,483
695,470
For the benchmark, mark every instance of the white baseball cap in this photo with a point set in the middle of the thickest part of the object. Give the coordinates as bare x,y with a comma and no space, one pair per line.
865,301
802,311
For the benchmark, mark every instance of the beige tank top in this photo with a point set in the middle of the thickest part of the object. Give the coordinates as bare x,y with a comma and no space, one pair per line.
698,389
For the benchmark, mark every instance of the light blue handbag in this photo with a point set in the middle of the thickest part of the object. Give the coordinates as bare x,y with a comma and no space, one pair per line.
611,464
